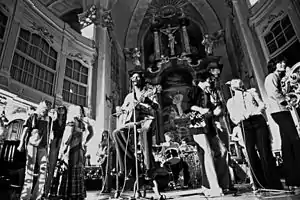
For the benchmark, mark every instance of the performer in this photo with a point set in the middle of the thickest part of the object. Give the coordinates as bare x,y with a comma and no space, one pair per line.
107,160
58,129
209,176
290,142
167,147
212,101
35,137
72,152
143,101
245,108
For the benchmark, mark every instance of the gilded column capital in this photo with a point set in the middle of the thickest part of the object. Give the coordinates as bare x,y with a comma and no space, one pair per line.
96,15
106,20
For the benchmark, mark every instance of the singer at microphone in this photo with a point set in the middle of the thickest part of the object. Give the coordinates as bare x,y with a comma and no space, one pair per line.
143,104
246,108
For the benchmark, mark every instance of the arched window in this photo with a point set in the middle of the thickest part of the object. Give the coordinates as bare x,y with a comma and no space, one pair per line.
3,23
75,83
279,35
34,62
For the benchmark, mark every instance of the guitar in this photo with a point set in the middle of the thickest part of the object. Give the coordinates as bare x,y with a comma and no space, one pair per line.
150,92
198,117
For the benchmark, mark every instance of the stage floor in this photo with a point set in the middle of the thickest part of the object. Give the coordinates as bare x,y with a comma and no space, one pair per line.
244,192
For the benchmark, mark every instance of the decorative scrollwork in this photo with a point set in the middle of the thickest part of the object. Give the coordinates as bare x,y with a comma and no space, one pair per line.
290,85
106,20
42,31
134,54
78,56
88,17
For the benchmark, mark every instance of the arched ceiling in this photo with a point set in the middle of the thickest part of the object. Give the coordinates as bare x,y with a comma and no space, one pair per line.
210,15
62,7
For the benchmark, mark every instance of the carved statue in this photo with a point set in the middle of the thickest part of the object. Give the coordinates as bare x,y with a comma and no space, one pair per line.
171,37
134,54
209,41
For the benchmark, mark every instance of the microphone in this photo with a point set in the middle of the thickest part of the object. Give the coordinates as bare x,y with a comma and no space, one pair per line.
240,89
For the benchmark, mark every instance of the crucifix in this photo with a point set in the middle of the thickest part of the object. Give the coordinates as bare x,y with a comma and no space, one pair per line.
171,37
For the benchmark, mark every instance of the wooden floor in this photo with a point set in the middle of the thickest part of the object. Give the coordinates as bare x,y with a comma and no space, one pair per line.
244,192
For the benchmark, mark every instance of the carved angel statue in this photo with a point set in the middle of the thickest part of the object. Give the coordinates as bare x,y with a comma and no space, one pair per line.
210,40
134,54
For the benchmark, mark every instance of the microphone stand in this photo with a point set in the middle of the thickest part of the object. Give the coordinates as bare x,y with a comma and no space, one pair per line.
137,193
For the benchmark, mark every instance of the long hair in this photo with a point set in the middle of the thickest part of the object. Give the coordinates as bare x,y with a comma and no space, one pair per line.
143,80
102,135
64,116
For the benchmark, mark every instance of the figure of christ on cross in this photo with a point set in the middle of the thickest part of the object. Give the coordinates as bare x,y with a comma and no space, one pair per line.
169,31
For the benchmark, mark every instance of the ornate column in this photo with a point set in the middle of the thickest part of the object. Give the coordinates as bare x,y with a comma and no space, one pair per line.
97,15
255,65
60,71
155,29
186,42
102,63
250,47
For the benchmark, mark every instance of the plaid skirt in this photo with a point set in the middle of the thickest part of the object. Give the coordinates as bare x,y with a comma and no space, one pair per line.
72,184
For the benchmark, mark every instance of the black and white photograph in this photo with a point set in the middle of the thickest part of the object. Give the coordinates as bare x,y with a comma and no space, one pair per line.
149,99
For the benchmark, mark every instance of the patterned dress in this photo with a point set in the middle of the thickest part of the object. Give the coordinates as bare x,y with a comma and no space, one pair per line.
72,182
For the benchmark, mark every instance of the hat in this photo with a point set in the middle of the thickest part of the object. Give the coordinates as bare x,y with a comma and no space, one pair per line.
137,69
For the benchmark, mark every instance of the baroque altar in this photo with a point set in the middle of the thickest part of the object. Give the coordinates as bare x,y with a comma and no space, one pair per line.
173,59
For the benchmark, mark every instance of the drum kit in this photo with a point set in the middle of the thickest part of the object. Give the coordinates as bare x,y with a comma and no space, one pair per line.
172,156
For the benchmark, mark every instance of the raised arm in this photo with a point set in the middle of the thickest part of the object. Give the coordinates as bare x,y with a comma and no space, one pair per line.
89,132
260,104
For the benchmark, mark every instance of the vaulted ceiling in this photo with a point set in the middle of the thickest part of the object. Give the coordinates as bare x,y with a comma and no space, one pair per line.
131,23
62,7
129,15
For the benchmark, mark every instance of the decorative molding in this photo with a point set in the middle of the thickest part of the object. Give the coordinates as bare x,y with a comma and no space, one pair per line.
96,16
88,17
78,56
165,9
3,6
271,19
42,31
106,20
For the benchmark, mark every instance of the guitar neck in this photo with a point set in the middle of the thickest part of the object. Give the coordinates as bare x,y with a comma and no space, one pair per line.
180,110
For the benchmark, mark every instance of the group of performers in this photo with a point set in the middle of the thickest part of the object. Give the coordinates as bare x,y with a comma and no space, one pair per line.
246,111
55,152
55,141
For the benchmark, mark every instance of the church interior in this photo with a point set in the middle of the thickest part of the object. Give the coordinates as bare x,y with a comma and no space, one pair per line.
85,53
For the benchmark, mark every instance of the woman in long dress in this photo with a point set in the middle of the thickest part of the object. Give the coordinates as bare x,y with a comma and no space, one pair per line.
76,135
58,129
